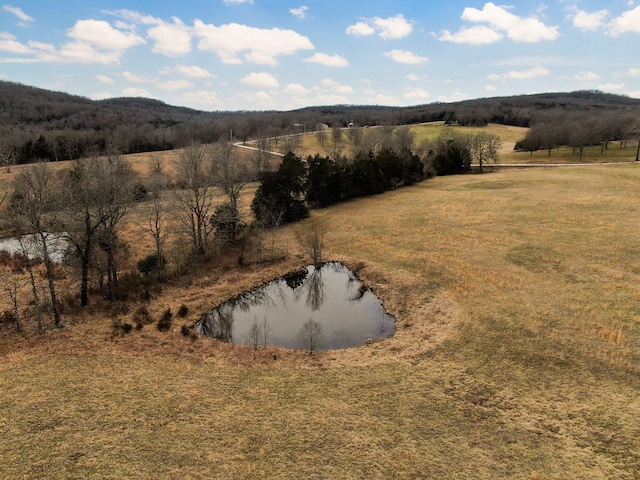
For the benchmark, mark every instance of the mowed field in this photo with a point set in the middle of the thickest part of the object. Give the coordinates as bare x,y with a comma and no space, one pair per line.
517,355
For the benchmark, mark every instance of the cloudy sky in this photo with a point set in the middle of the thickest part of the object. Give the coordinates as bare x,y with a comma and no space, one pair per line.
286,54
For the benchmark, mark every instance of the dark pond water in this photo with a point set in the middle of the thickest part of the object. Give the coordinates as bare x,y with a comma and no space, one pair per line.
344,313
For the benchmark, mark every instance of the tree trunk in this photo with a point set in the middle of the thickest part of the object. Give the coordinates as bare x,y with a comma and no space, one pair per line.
84,282
36,301
50,280
16,312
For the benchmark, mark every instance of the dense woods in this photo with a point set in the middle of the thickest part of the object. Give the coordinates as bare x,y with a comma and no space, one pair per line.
38,124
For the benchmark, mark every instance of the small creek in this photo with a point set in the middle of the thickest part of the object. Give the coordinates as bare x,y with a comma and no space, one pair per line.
348,313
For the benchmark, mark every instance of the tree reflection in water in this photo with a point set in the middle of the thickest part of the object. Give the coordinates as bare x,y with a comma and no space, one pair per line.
349,313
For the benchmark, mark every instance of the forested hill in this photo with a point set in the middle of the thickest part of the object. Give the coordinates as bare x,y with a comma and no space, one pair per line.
37,123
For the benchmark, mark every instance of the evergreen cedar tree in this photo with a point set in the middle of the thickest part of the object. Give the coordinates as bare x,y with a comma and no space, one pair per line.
283,195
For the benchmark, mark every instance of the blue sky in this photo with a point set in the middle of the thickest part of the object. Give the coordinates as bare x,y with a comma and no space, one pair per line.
281,55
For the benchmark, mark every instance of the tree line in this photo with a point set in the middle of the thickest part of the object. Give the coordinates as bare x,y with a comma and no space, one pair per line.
196,209
37,124
580,131
287,194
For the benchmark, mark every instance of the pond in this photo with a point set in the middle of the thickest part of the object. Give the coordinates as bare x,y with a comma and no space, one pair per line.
315,309
57,243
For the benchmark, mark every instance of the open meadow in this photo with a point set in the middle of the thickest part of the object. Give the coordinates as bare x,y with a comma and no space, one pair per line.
517,354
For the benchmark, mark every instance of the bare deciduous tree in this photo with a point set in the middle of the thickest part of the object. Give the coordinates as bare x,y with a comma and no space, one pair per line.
156,218
12,284
321,135
262,154
231,175
33,210
255,336
195,195
404,138
484,148
310,335
119,191
337,143
355,136
84,195
312,241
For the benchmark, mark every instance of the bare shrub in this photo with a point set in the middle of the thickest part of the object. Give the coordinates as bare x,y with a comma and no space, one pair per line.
312,241
164,324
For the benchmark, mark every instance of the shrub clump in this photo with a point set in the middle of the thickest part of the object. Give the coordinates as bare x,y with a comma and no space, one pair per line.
141,317
120,328
164,324
152,263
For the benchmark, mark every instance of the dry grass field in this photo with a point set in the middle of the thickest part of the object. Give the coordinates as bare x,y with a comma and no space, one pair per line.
517,355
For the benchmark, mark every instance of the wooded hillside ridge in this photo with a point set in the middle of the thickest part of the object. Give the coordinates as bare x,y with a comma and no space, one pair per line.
42,124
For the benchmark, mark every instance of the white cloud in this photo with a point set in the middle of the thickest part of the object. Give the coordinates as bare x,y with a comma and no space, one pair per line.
23,17
404,56
416,94
80,52
300,12
171,39
296,89
629,21
201,98
521,74
360,29
328,84
589,20
480,35
489,88
261,80
328,60
136,92
93,41
100,95
499,19
134,78
633,72
104,79
457,96
103,36
8,43
330,99
259,99
385,99
237,2
635,94
343,89
390,28
586,76
172,85
193,71
262,46
611,86
134,17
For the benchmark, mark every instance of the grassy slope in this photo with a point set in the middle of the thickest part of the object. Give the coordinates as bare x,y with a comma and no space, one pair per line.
516,356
